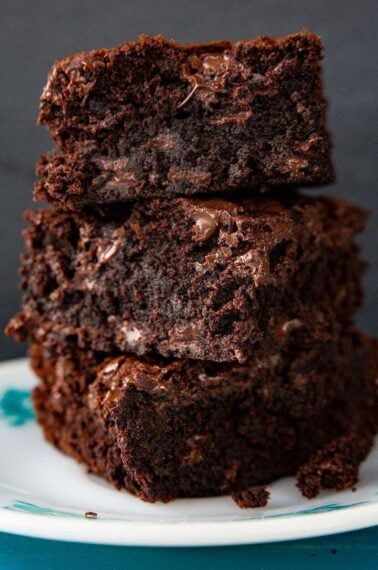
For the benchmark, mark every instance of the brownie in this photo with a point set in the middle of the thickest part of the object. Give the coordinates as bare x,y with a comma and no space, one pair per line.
196,278
171,428
154,118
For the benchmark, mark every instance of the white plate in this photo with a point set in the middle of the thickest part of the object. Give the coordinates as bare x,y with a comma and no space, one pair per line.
45,494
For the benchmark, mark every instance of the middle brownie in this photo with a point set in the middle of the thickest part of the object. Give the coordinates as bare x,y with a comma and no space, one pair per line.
195,278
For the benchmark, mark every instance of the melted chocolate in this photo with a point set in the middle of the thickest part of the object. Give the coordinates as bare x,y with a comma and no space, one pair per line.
241,117
206,72
116,173
286,327
185,334
105,255
206,224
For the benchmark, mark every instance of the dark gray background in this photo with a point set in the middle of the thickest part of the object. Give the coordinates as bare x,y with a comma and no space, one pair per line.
35,33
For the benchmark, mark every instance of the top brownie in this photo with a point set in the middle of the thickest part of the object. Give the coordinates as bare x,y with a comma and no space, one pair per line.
156,118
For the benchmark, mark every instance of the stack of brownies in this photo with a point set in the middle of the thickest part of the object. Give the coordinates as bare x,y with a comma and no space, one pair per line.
189,313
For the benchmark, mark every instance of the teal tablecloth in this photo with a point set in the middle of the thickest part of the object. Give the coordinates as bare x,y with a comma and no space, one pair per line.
357,550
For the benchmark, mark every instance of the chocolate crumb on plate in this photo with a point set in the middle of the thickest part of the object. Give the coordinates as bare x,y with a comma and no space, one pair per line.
90,515
251,498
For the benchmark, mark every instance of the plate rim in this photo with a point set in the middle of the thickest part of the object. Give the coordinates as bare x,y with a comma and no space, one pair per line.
193,533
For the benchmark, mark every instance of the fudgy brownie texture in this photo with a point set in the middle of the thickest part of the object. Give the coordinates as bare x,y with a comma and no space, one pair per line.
206,279
153,118
165,429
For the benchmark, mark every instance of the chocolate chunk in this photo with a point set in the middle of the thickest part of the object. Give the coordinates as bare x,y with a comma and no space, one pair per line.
205,73
206,224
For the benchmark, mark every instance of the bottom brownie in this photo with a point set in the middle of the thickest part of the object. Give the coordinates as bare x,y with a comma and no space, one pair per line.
166,429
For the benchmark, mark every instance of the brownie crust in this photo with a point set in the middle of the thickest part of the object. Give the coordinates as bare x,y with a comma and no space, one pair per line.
205,279
165,429
154,118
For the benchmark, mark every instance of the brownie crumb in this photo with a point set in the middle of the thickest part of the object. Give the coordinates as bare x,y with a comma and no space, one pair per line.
90,515
251,498
335,466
